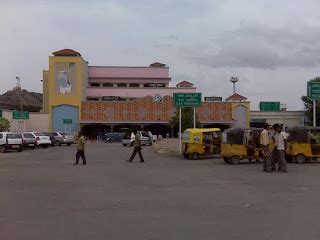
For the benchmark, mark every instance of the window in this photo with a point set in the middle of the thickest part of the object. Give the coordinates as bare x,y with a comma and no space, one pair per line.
134,85
28,135
92,99
144,134
154,85
122,85
107,84
1,135
13,136
94,84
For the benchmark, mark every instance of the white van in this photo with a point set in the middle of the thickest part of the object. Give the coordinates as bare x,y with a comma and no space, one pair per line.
10,141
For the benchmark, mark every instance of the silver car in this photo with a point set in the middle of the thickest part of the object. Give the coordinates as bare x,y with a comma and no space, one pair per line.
128,139
68,139
28,140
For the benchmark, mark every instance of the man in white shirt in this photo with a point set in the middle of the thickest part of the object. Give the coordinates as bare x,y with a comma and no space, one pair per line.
282,146
264,142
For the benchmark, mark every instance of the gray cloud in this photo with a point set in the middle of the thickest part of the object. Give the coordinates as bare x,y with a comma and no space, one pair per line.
261,46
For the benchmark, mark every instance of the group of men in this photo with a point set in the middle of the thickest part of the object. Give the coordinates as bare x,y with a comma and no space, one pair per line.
275,159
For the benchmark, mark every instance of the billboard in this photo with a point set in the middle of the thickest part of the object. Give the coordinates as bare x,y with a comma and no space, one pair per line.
65,78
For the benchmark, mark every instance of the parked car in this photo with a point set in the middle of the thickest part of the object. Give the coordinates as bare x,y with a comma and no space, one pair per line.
41,139
68,139
52,138
114,137
28,140
58,138
10,141
128,138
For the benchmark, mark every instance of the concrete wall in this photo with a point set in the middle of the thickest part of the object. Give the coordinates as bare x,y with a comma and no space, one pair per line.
136,92
128,72
291,118
36,122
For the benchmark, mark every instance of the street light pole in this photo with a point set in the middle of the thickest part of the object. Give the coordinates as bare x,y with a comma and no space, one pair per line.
283,109
234,80
314,113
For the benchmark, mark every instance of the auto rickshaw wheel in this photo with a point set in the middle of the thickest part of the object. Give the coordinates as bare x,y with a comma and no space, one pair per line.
300,158
226,159
186,155
234,160
195,156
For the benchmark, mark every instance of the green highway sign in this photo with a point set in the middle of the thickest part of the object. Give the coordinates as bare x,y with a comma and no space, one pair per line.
67,121
313,90
187,99
22,115
269,106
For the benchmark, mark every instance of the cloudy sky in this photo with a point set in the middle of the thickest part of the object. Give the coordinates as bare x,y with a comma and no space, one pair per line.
272,46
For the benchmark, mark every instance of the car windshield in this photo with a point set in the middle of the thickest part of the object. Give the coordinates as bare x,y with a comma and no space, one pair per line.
13,135
28,135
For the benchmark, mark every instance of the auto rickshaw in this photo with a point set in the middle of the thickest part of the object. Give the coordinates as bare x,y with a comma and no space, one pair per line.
239,143
198,142
303,144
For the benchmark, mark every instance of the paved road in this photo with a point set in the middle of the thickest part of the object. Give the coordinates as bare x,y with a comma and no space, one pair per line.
43,196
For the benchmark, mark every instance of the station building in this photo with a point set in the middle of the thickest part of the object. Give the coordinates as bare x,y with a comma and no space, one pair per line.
105,98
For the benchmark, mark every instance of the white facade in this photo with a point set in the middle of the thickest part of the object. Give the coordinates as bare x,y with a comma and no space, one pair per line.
38,122
287,118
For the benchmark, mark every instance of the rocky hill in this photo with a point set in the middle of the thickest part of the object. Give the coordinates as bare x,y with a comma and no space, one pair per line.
12,100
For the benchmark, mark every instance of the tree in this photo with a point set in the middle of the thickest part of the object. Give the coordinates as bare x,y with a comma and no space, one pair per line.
186,119
308,104
4,124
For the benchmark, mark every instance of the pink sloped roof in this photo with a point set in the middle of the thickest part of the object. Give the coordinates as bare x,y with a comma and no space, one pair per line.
236,97
128,72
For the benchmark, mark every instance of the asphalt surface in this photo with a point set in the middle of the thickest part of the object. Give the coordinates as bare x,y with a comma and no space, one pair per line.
43,196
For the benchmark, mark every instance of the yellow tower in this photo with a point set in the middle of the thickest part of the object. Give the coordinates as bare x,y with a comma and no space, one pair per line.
64,89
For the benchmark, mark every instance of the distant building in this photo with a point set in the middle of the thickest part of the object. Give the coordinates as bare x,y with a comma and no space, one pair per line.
106,98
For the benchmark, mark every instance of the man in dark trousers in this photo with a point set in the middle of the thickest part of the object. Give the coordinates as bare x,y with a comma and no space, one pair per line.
80,150
137,147
264,142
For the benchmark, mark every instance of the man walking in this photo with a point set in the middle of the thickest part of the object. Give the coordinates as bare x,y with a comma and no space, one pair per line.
264,141
80,150
137,147
282,146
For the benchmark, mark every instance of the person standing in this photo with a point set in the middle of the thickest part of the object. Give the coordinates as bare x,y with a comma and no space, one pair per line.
80,150
282,146
264,141
275,147
137,147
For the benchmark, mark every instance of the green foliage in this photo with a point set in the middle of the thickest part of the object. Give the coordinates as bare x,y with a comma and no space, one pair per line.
186,119
4,124
308,104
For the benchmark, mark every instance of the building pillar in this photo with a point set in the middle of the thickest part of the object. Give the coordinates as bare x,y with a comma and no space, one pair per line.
111,128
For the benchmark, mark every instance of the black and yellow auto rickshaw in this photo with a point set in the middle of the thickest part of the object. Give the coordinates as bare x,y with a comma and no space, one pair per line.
198,142
239,143
303,144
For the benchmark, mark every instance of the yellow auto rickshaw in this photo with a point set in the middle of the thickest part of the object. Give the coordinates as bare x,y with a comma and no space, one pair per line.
198,142
239,143
303,144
